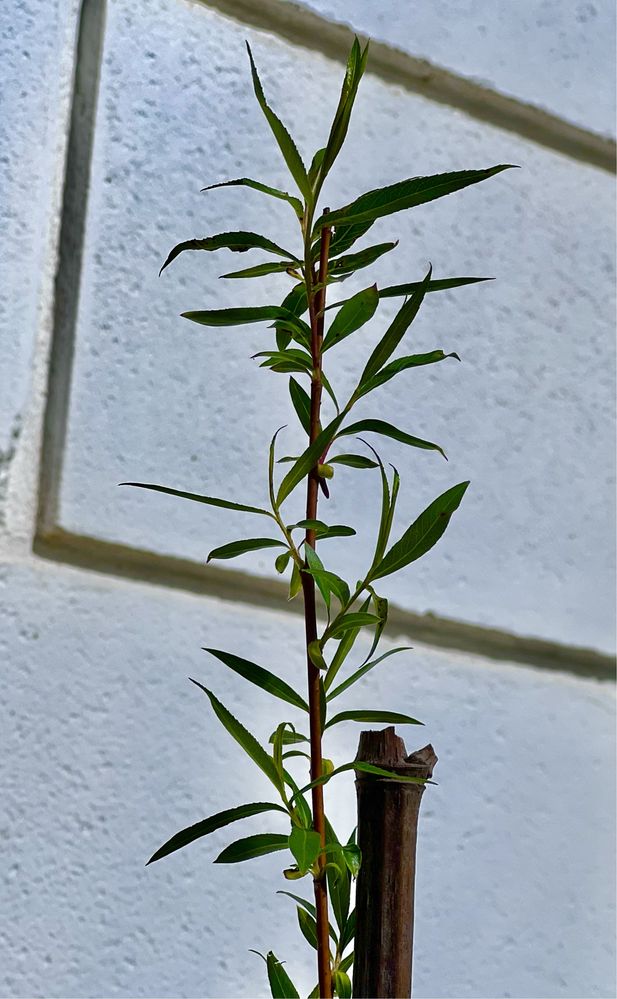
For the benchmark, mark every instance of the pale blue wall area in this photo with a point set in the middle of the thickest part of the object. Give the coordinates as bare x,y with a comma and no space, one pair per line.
555,55
107,749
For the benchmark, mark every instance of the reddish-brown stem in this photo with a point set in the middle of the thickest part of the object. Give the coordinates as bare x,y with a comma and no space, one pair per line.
316,307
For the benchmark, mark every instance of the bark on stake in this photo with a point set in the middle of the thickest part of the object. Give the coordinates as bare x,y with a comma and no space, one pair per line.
387,831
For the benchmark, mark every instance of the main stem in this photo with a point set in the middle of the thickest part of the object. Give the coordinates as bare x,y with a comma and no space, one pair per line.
316,308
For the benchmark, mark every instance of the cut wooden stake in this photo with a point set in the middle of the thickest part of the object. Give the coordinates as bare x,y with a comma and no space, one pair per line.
387,831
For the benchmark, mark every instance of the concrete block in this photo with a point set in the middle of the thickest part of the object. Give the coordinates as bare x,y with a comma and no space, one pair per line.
526,416
109,750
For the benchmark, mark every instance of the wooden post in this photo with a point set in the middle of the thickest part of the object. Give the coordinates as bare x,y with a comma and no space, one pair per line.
387,830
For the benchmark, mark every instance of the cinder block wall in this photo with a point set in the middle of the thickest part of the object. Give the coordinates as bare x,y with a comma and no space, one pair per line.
112,117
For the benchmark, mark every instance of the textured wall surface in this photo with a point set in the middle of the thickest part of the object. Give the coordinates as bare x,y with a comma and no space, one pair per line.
554,55
106,748
120,751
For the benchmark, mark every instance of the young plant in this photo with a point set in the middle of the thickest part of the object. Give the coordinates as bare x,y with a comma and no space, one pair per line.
322,259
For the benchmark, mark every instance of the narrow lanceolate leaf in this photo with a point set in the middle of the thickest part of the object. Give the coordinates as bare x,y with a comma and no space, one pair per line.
405,194
339,883
342,267
353,460
197,498
235,548
354,314
367,768
355,620
395,332
436,284
423,533
274,192
401,364
390,717
296,303
342,984
243,737
403,290
359,673
301,403
237,242
344,648
207,826
285,142
281,985
252,846
261,677
261,270
387,430
356,64
308,927
308,459
291,354
305,845
343,238
241,317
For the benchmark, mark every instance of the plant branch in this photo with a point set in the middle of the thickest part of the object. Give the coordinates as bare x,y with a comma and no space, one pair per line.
316,302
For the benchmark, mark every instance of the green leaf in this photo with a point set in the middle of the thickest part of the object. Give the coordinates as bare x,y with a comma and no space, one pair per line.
235,548
405,194
237,242
395,332
261,270
347,962
437,284
353,460
344,648
281,985
261,677
309,525
315,655
423,533
308,459
367,768
274,192
305,844
337,531
308,927
401,364
327,582
301,403
342,984
285,142
356,64
391,717
343,267
274,358
207,826
381,609
289,738
316,165
295,583
387,430
354,314
241,317
281,561
403,290
355,620
339,884
252,846
344,236
197,498
296,303
353,859
364,669
243,737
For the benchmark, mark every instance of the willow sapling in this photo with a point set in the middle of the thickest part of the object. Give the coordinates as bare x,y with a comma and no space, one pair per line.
320,261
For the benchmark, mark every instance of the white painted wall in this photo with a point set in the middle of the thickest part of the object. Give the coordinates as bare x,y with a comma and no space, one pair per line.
107,748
